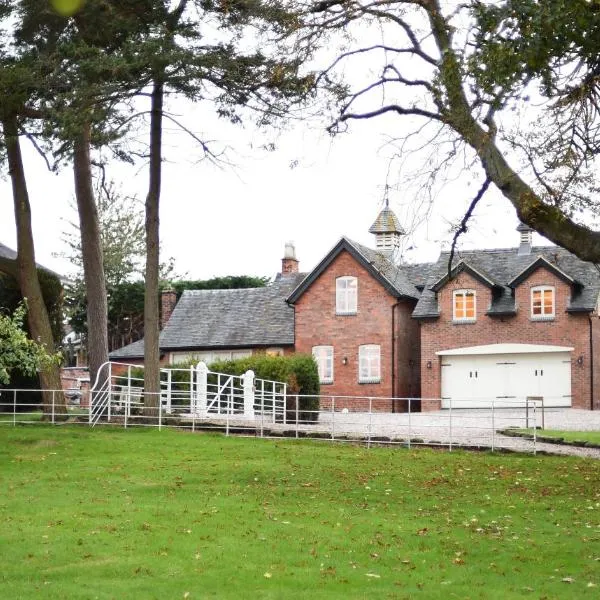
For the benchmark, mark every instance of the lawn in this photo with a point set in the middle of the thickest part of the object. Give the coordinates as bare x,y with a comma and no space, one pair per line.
114,513
591,437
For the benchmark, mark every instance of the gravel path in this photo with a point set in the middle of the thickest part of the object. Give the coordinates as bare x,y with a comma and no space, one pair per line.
475,428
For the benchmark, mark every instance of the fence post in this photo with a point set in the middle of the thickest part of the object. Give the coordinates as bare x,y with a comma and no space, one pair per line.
526,412
285,403
297,415
333,418
109,390
248,385
228,410
201,403
169,388
450,426
52,407
409,422
159,412
493,424
262,411
534,430
370,421
14,408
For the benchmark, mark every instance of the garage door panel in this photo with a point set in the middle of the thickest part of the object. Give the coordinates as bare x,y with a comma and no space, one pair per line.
506,380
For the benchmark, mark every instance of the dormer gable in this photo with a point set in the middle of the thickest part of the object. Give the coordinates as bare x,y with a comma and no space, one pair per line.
541,262
464,267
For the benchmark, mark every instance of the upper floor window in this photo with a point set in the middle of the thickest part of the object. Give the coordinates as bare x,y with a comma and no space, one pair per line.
346,295
542,302
323,356
464,305
369,363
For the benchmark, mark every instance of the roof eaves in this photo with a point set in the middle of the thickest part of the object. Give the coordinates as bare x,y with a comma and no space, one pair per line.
426,316
579,309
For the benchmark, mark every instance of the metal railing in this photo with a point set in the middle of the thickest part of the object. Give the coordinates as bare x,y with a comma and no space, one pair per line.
367,420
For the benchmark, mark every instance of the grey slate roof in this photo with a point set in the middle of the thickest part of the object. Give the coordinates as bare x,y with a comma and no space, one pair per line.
242,318
503,266
8,258
395,278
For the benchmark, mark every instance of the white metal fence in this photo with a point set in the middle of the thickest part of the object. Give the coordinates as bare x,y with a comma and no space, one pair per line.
343,419
192,392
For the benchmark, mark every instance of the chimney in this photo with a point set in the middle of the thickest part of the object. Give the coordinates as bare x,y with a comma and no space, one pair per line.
168,300
526,239
289,262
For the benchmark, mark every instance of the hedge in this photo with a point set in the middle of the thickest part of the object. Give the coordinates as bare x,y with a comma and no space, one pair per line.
299,371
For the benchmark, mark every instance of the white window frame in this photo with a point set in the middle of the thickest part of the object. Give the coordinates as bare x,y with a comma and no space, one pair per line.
369,363
464,293
543,316
323,356
346,295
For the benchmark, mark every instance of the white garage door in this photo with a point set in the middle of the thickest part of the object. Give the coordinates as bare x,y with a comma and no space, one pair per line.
505,374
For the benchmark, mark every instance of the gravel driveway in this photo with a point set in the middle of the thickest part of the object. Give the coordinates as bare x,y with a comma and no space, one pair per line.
462,427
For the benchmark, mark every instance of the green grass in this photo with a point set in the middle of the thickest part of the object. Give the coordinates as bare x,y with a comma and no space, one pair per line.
113,513
592,437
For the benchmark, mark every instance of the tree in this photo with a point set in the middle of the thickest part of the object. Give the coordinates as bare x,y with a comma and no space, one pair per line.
18,353
428,76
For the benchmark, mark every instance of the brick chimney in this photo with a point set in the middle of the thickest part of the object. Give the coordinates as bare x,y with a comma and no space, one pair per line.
168,300
289,262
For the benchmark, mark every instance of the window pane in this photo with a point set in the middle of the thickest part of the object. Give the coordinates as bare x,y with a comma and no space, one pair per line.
324,357
369,363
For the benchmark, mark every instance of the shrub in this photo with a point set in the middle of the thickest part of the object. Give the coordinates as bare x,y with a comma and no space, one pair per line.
299,371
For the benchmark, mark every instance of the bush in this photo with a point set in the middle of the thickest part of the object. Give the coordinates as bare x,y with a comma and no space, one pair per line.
299,371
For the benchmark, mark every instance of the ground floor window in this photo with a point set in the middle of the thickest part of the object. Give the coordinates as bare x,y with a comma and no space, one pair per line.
324,357
369,363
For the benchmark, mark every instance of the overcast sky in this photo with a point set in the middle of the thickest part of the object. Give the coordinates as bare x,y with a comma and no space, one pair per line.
311,189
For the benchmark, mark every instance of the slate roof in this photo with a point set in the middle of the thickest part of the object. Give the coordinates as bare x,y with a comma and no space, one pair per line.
8,258
396,279
241,318
387,222
505,265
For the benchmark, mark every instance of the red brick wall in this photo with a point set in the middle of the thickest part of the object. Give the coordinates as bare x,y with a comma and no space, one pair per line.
565,330
318,325
168,300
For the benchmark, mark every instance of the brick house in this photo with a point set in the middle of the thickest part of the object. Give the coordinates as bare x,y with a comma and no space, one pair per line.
214,325
507,324
499,326
353,312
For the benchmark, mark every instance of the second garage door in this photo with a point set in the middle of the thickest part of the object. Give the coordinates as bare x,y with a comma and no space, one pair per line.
505,374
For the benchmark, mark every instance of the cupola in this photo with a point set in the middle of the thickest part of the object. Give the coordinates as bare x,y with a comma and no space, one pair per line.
387,230
526,239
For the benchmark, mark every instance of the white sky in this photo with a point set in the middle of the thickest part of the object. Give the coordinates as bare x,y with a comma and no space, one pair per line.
235,220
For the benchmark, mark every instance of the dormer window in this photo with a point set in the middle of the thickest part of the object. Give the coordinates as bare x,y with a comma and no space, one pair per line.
463,306
542,303
346,295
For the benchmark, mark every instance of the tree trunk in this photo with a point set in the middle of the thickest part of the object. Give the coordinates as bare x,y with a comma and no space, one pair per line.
91,250
151,310
53,400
